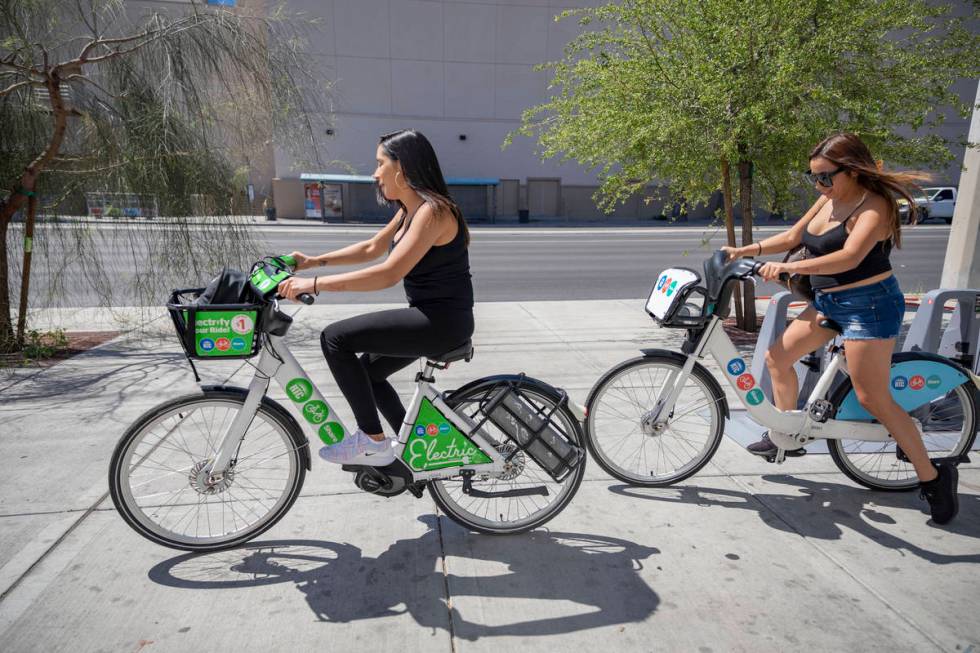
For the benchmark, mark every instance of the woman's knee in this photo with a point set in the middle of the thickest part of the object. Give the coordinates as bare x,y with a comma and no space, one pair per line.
777,361
332,340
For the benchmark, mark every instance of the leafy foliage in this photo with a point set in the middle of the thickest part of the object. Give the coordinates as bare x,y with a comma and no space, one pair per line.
668,89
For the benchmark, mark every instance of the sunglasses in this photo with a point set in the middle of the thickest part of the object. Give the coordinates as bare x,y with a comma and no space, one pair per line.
825,179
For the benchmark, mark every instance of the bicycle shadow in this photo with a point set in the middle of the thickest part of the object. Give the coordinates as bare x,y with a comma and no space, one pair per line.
825,509
341,585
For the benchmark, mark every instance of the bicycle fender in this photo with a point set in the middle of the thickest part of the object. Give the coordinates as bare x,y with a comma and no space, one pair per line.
681,359
915,379
576,409
303,445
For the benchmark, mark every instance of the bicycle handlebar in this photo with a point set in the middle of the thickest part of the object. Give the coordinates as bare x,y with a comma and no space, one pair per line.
283,266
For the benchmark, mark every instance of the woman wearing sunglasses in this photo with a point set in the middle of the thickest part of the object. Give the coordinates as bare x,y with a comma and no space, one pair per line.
848,234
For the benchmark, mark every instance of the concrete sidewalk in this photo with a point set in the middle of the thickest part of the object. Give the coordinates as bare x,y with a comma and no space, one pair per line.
745,556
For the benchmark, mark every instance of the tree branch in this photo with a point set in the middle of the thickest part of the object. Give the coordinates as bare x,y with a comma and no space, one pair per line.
10,89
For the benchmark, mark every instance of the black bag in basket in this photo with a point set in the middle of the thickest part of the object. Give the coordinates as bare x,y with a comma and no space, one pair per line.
229,287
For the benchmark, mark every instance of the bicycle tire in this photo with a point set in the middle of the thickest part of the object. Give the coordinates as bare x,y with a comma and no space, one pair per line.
597,412
901,475
121,488
443,492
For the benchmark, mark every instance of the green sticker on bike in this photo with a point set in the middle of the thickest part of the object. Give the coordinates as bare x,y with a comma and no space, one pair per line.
299,390
331,433
755,397
435,443
316,412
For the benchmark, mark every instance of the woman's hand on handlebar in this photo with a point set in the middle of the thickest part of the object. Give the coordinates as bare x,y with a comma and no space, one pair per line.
732,252
302,261
770,271
293,287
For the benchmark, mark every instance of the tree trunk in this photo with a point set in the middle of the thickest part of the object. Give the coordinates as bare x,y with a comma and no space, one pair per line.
8,341
726,193
25,280
745,196
23,189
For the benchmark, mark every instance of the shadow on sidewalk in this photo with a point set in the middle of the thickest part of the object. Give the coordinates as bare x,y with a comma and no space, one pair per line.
825,509
599,574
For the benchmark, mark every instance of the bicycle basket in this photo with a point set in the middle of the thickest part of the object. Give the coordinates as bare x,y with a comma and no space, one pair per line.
213,331
667,301
532,429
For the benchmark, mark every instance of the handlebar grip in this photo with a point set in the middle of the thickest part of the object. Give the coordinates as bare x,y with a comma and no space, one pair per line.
306,298
288,260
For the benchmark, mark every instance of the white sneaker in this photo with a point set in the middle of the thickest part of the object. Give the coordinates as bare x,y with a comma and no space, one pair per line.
359,449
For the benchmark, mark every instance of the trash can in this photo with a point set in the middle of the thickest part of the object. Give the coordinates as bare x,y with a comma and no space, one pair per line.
522,216
270,213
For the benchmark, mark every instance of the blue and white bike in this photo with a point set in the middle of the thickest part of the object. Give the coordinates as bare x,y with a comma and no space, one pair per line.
659,418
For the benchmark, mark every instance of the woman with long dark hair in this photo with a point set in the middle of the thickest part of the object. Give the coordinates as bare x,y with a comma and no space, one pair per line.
848,234
427,244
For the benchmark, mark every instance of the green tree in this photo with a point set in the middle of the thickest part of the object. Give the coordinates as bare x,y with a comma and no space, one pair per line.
693,92
173,106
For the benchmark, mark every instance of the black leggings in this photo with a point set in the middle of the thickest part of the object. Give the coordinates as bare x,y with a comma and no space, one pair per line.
388,341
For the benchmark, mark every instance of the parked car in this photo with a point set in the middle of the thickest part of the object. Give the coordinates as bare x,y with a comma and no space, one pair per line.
934,202
942,201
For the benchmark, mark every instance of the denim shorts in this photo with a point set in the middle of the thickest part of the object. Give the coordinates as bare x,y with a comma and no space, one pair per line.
867,312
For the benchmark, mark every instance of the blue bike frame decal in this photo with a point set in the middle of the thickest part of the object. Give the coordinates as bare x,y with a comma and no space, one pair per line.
913,384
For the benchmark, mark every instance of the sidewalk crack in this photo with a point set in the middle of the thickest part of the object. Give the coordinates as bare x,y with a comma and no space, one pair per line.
445,583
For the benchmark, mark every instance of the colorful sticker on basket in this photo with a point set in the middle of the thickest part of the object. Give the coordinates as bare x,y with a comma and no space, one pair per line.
736,366
745,382
242,324
299,390
331,433
661,282
444,428
207,344
672,288
917,382
419,430
223,344
237,344
315,412
754,397
900,383
933,382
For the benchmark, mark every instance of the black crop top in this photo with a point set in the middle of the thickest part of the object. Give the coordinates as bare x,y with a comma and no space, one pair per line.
441,278
874,263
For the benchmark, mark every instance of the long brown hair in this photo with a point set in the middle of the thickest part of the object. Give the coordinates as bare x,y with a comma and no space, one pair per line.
422,173
849,152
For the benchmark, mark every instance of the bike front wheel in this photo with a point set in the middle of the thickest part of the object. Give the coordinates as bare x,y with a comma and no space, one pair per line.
159,483
675,447
501,515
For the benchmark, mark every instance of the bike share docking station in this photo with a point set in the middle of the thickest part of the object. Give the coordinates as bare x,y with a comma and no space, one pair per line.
958,339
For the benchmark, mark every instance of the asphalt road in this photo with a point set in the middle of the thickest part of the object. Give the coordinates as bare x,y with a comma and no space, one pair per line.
508,264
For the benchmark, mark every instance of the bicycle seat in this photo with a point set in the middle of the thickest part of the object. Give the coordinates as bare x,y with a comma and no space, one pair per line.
462,353
827,323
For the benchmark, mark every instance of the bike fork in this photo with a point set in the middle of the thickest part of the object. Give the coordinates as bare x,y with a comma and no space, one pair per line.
228,443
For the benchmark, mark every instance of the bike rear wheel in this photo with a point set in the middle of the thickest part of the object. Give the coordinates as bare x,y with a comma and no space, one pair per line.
510,515
158,483
641,454
949,426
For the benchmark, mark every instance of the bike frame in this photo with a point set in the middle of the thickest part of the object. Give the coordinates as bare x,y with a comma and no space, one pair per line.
714,341
277,362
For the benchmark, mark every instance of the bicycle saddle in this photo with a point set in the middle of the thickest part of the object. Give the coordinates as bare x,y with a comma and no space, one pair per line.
463,352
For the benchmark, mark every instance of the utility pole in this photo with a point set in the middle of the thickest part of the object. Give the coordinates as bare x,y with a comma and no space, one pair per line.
962,266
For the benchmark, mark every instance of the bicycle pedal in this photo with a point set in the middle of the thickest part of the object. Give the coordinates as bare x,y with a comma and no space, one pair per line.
795,453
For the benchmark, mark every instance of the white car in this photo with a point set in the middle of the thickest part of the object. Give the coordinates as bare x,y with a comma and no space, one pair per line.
933,202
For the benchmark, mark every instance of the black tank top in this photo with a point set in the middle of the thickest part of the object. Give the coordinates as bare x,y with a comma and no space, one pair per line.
442,277
874,263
